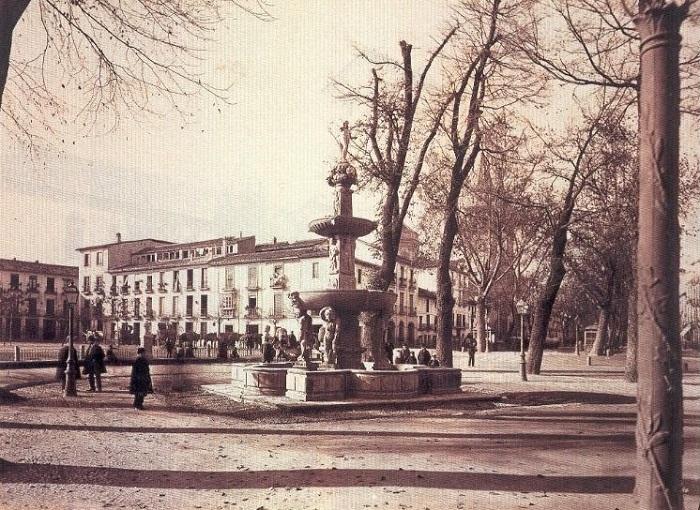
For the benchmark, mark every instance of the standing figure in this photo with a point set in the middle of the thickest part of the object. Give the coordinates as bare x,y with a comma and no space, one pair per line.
268,351
63,364
330,334
333,256
471,349
306,340
141,383
423,356
95,363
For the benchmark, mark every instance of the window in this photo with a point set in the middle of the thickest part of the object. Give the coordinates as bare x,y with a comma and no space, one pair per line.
189,305
227,302
99,258
137,307
176,281
176,305
149,283
33,283
86,260
218,250
401,300
232,249
410,303
278,304
204,278
50,285
359,276
14,281
203,328
314,270
149,306
190,278
86,284
229,277
32,307
161,278
137,286
252,301
427,306
253,277
161,306
204,305
50,307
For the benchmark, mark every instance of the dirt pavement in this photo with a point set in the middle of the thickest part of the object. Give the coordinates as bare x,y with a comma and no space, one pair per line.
563,440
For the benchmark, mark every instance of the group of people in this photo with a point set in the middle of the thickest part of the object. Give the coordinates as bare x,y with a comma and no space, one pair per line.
408,357
95,364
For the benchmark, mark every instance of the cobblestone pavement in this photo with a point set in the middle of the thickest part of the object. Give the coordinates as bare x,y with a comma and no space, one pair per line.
563,440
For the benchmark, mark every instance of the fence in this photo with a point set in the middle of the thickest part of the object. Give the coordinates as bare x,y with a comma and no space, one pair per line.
122,352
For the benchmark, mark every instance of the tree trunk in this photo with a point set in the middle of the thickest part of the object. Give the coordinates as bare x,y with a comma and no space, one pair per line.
543,312
445,300
10,13
631,353
481,325
601,335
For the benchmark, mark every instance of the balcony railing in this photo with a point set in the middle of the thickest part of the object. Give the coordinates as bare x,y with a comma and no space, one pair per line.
162,287
125,289
278,282
276,314
412,283
149,289
204,286
190,287
253,286
402,282
252,312
33,288
412,311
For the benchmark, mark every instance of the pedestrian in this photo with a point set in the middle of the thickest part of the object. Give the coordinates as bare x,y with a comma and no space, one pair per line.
268,351
141,383
471,349
434,361
63,364
405,351
411,359
423,356
110,357
169,347
95,363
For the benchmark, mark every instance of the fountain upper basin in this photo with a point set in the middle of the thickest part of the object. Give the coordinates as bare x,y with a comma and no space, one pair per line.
355,300
342,225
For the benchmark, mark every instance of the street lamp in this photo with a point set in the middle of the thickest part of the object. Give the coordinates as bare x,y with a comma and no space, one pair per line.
70,293
523,309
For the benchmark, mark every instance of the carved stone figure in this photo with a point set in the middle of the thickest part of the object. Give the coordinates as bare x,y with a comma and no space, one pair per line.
345,144
330,334
333,256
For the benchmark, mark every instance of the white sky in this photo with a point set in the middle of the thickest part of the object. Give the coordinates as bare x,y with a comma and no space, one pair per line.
258,167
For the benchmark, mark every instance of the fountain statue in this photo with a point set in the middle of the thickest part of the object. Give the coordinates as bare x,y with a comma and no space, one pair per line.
342,304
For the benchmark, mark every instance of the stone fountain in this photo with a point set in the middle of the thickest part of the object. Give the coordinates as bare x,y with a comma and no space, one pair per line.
341,307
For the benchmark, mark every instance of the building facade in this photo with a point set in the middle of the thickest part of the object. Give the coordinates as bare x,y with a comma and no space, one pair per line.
226,285
32,304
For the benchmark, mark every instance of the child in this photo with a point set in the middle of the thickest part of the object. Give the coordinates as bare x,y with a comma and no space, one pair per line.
140,378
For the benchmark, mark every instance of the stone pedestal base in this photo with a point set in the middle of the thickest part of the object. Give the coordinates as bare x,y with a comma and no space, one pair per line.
385,384
316,385
268,379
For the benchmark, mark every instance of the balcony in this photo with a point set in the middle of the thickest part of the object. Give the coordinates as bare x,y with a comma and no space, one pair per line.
50,290
87,291
149,289
137,289
113,291
204,286
278,282
190,287
252,312
33,288
412,311
412,284
125,289
402,282
150,314
228,312
253,286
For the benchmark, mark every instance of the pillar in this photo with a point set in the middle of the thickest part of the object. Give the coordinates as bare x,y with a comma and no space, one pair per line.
659,390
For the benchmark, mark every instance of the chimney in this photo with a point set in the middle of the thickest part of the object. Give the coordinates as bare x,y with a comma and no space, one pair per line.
119,237
274,240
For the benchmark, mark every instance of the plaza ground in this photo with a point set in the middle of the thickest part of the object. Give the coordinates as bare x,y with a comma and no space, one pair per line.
563,440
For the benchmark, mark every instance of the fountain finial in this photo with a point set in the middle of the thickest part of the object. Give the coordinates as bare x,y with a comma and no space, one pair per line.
343,173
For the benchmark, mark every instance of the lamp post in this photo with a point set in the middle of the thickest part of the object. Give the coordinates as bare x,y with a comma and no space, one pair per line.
523,309
71,294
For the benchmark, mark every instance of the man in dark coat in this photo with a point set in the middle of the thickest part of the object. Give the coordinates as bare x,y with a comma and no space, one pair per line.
268,351
141,383
471,349
95,363
63,363
423,356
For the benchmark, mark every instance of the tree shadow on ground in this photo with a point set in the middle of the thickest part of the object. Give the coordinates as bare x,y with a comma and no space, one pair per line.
565,397
219,480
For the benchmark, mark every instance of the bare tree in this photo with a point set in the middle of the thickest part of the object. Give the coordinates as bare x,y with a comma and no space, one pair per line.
104,56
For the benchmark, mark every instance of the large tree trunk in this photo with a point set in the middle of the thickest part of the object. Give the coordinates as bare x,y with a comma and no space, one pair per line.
481,324
631,352
601,335
445,300
10,13
543,312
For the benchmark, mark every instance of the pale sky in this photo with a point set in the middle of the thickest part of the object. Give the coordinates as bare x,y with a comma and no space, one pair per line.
257,167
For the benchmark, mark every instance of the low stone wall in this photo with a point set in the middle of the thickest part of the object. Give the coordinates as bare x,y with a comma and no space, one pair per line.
317,385
269,379
384,383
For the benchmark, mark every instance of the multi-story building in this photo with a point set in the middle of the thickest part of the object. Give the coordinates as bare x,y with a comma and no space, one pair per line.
32,305
227,285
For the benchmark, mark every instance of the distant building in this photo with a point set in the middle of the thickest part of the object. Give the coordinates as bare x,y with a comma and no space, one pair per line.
32,305
225,285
